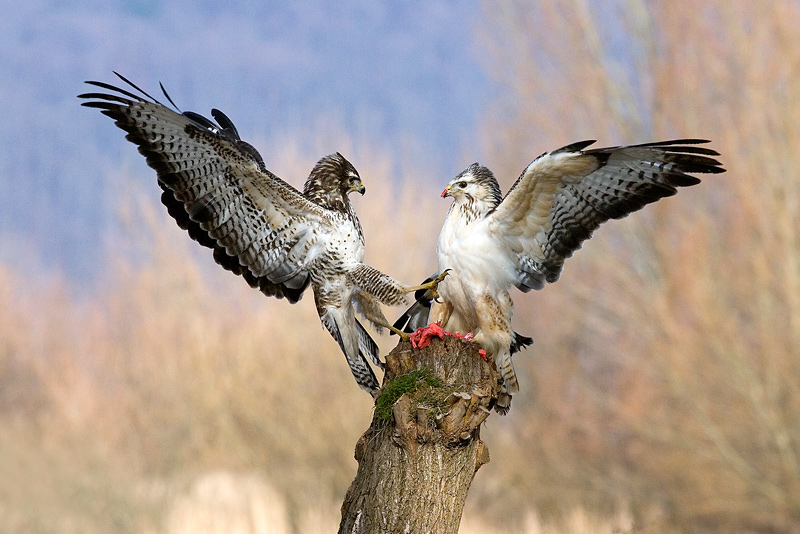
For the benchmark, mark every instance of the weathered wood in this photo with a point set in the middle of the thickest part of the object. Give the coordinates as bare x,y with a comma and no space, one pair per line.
415,467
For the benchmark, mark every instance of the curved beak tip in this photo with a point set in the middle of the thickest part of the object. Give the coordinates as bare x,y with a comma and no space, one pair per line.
446,193
362,190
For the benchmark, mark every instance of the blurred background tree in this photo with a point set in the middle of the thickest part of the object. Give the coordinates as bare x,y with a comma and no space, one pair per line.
668,361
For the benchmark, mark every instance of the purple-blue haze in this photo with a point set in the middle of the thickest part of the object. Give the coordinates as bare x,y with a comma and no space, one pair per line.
386,72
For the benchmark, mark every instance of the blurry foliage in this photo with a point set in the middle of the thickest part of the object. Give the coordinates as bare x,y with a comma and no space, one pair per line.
175,368
667,359
663,391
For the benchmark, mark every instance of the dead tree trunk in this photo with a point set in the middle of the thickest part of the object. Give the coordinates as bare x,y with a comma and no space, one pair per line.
418,458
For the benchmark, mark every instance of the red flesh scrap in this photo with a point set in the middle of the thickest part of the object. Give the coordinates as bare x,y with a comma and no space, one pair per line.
422,336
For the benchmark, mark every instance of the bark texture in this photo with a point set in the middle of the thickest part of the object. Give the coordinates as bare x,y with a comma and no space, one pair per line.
418,458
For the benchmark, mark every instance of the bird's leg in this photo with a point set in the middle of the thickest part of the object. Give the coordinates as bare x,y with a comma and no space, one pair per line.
372,311
422,332
432,285
404,336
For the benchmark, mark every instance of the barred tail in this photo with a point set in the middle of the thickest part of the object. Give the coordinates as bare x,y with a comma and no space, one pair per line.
346,333
508,382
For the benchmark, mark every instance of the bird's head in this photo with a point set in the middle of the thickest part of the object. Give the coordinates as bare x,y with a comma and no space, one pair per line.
331,180
474,185
349,179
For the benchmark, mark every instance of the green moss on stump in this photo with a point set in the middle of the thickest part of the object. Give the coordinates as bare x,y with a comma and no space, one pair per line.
407,383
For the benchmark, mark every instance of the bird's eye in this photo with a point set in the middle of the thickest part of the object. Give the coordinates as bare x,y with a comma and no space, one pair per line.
462,185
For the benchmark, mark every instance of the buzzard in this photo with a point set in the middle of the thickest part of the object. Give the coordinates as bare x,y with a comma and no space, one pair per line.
279,239
492,243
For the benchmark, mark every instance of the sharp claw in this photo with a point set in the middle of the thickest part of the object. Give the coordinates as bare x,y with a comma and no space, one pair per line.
433,284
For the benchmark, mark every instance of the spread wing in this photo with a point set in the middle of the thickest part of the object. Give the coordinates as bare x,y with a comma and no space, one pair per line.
564,195
217,188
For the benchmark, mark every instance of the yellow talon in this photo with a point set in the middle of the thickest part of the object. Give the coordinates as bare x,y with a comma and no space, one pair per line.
432,285
404,336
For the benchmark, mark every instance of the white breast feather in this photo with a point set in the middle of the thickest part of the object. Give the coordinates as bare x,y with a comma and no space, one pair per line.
479,264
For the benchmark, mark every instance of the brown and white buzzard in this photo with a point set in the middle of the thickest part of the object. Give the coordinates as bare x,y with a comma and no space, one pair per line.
280,240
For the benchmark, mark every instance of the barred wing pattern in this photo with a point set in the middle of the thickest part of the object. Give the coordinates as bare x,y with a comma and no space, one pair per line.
492,243
216,187
280,240
564,195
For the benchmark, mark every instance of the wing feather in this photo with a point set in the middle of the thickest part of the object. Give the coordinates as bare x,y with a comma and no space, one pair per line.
217,188
564,195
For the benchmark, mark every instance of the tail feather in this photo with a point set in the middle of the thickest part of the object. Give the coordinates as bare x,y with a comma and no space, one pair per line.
417,315
519,342
508,382
367,346
503,403
505,366
349,340
414,317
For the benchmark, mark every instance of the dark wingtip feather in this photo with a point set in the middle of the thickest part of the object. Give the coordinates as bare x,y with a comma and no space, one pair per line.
672,142
99,105
691,158
680,179
694,150
109,87
126,80
104,97
574,147
225,122
169,99
200,120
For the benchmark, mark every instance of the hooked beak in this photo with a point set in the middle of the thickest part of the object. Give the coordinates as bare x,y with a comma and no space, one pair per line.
446,192
362,189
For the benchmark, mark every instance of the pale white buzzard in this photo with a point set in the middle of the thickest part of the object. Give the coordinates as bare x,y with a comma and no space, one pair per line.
492,243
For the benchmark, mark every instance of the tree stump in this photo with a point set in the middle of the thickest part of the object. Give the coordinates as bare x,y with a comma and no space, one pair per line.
418,458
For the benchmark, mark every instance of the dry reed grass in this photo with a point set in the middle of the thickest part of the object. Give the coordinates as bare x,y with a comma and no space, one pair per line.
668,358
175,368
